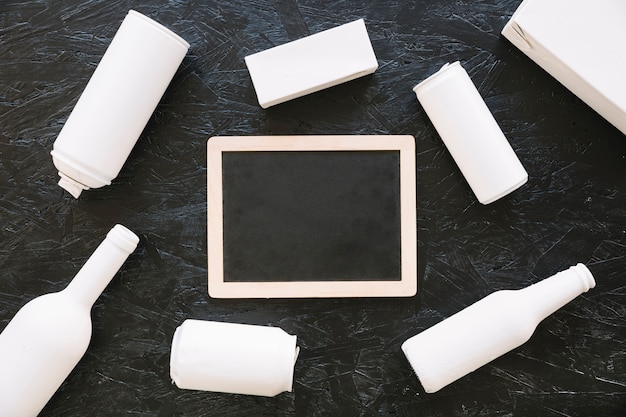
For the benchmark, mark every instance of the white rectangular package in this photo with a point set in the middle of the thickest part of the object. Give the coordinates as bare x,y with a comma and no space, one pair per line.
580,43
311,64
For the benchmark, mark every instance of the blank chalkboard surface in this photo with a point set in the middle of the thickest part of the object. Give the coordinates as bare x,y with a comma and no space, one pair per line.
311,216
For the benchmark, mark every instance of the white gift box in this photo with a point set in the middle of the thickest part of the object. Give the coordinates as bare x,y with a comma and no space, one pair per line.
117,103
580,43
312,63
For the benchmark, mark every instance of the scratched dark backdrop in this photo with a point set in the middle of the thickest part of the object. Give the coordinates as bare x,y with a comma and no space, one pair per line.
572,210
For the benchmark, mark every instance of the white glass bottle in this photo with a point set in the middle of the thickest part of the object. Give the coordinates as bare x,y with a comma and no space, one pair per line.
117,103
49,335
490,327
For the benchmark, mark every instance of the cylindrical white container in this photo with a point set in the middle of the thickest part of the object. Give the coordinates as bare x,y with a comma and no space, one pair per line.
49,335
470,133
233,358
117,103
490,328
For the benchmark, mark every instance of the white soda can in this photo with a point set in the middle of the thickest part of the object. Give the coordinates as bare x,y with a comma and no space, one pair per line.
233,358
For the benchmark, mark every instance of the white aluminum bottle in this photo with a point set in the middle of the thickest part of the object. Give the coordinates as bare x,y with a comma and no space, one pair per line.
49,335
117,103
490,328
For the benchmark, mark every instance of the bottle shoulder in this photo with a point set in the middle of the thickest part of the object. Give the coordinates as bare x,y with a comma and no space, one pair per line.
507,314
56,309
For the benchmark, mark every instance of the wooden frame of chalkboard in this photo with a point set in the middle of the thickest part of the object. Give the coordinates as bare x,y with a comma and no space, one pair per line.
251,178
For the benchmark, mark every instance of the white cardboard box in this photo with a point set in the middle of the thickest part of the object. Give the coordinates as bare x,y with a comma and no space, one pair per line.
312,63
581,44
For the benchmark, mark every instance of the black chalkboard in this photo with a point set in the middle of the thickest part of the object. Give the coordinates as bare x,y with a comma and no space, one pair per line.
311,216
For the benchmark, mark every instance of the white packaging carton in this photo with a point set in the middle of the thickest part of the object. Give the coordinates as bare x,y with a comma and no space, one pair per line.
580,43
312,63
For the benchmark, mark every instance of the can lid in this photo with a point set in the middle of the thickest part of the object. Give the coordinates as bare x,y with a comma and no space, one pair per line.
447,66
160,27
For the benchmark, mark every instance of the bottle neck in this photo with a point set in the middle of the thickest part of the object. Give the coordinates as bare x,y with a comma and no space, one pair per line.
549,295
102,266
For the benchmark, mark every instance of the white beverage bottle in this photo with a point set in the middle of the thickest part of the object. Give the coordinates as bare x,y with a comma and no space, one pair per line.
117,103
490,327
49,335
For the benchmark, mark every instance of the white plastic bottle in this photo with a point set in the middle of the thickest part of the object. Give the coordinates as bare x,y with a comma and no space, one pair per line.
490,327
49,335
117,103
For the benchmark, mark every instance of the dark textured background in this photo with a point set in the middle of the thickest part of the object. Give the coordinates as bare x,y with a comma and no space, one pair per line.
572,210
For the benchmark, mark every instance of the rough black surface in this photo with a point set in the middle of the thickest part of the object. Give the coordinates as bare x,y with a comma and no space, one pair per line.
572,210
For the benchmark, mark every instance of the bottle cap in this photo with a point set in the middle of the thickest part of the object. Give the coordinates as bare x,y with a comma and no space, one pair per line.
471,133
233,358
74,176
71,186
124,238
